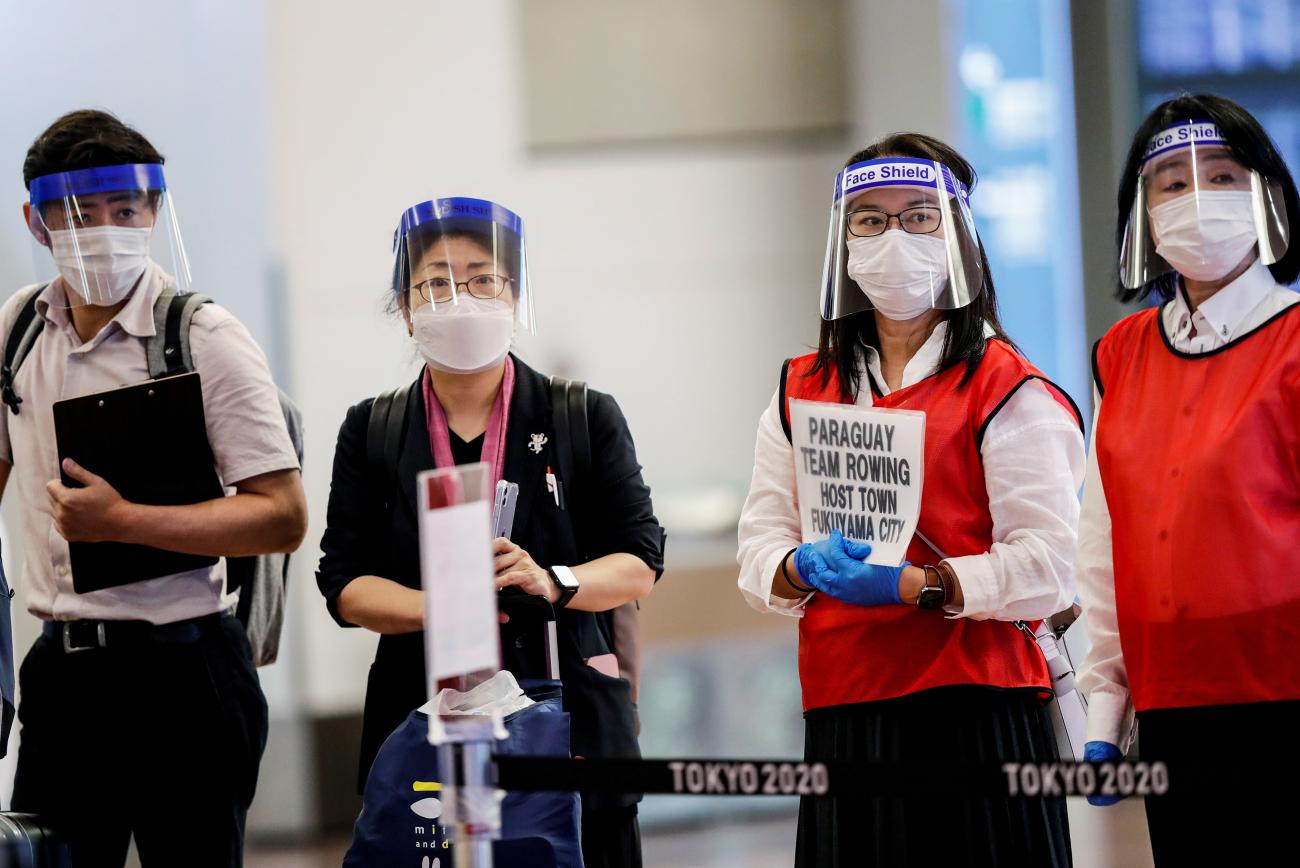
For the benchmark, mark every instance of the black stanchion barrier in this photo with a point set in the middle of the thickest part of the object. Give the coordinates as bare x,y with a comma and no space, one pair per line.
770,777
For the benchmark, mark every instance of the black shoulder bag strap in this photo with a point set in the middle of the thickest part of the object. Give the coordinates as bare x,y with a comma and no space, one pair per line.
18,343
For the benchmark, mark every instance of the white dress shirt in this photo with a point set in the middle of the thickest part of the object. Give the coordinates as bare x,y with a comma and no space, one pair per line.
1237,308
246,430
1033,466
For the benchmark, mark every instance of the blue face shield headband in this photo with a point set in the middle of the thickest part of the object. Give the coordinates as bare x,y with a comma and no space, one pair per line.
898,172
101,179
469,212
1185,134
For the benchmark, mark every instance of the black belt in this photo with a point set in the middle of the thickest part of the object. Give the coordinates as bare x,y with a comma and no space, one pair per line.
73,636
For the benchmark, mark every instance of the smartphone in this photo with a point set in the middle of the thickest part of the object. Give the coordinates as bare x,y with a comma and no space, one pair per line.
503,509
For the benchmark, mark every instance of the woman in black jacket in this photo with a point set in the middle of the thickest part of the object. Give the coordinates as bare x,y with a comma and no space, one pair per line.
460,283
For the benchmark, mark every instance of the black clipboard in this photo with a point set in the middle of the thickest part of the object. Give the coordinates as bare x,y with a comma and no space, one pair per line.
150,442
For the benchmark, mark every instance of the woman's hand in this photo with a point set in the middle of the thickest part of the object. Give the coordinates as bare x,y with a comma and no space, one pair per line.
1102,752
516,568
845,577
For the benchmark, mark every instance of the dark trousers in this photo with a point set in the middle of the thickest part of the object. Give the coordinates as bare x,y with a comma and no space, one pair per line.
611,838
160,741
1232,773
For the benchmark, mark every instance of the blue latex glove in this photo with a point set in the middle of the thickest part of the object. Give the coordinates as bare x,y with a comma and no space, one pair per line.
847,578
1102,752
813,558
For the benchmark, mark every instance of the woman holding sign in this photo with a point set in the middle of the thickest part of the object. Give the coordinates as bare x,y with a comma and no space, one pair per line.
584,538
915,654
1191,509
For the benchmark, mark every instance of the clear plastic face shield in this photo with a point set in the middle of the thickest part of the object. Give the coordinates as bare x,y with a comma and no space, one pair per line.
99,229
461,254
1198,210
461,276
901,241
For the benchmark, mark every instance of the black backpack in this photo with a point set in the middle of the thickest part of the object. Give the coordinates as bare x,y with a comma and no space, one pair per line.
261,579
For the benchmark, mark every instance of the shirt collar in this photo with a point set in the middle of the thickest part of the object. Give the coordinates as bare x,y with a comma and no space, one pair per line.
923,364
1228,308
136,316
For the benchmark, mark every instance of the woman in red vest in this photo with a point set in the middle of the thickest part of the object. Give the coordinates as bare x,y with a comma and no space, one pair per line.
1191,513
924,661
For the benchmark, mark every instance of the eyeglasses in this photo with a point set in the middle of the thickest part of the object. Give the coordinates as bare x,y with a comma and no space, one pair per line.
437,290
870,222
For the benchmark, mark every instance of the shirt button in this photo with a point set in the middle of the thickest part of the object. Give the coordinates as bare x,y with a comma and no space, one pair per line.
1174,473
61,570
1164,535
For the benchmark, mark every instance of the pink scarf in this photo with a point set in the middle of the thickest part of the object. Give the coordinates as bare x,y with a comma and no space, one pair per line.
494,441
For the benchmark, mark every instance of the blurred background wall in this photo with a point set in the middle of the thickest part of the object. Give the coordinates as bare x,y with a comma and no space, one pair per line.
673,162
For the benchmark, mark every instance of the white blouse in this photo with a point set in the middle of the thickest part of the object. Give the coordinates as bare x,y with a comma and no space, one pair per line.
1033,466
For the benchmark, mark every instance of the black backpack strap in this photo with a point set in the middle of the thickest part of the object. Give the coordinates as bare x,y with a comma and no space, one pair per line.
569,418
22,336
569,412
783,400
385,432
167,353
560,421
579,430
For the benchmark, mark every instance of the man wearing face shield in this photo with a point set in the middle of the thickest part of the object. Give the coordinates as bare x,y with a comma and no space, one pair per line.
141,712
1191,509
923,661
586,541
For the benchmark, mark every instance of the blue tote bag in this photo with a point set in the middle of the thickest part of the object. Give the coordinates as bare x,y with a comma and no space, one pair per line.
399,821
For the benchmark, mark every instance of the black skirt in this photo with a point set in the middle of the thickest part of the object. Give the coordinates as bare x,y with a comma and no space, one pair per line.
1232,778
966,724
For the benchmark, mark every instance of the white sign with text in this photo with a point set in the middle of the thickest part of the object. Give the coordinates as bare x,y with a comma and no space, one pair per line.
859,470
460,597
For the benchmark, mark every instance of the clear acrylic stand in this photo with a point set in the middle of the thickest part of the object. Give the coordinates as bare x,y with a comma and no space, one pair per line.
460,602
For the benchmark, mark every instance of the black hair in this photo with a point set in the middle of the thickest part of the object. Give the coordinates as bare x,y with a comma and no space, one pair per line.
398,295
86,139
842,339
1249,144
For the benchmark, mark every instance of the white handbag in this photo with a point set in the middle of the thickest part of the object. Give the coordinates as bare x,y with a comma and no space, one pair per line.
1069,710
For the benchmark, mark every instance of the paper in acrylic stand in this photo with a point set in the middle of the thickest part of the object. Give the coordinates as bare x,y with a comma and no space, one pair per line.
461,625
859,470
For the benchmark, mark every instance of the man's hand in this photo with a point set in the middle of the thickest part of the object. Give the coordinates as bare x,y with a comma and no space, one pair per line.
96,513
515,567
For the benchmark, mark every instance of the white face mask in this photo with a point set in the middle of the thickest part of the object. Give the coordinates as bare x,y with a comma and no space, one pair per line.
112,258
901,273
472,336
1206,235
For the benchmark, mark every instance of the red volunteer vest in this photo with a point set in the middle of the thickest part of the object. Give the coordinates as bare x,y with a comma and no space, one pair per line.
1200,462
850,653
